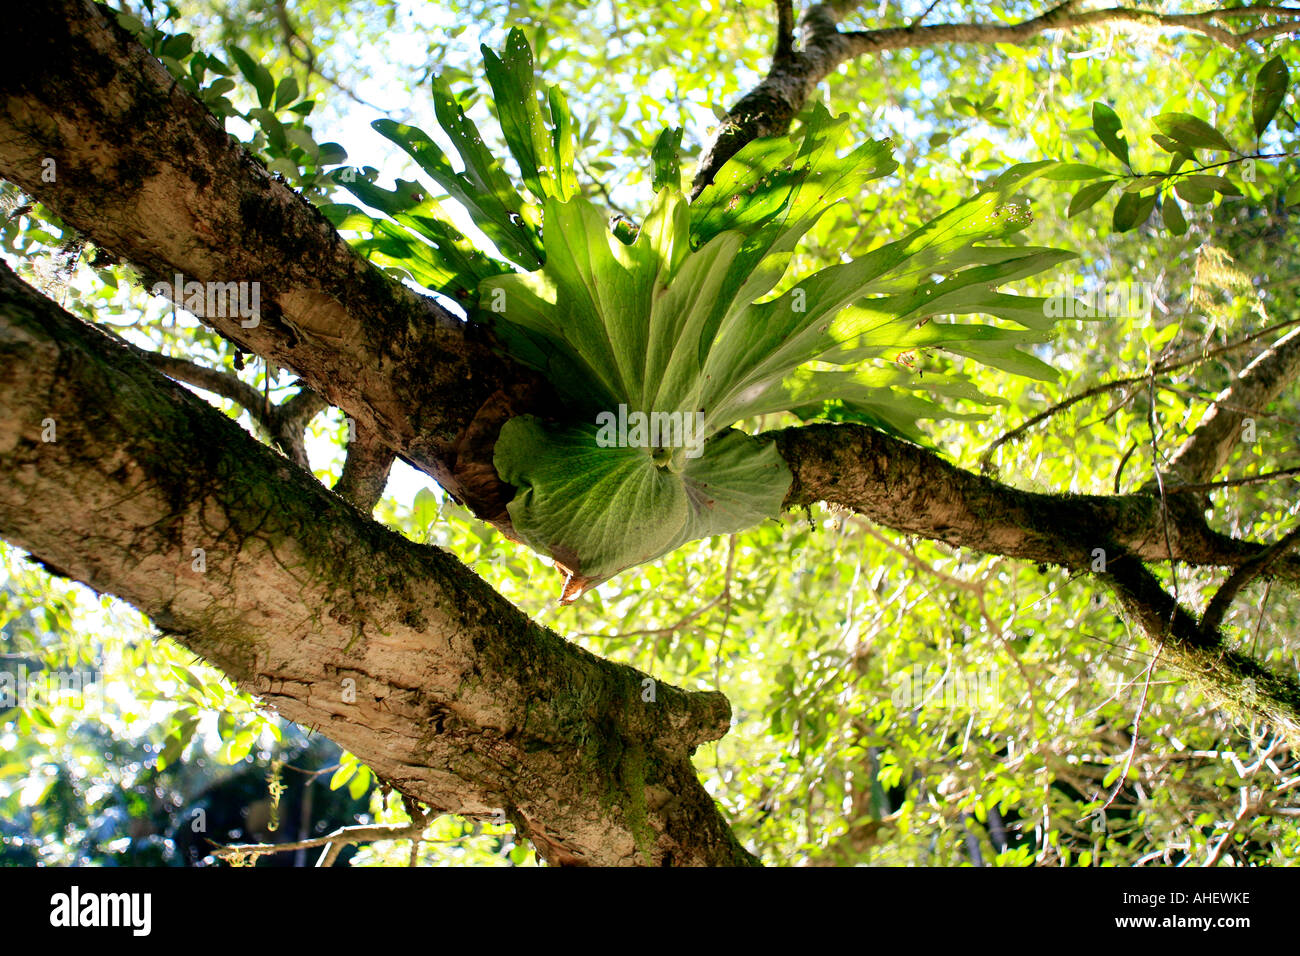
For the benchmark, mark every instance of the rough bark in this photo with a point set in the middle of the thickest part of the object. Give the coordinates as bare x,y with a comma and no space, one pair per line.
1210,445
394,650
914,491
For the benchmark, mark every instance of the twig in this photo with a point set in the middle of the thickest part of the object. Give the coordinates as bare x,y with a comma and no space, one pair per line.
1247,572
784,49
1235,482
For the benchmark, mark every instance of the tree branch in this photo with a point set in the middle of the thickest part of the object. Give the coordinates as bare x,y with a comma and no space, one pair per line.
117,477
784,48
365,470
912,490
1210,445
1223,598
285,423
1229,679
768,109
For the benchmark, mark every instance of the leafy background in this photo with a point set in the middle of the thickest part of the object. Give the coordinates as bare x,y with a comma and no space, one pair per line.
809,623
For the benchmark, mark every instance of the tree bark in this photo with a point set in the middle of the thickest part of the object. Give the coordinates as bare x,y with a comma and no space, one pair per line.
114,476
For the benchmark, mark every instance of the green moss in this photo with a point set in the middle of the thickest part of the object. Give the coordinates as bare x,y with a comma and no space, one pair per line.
632,773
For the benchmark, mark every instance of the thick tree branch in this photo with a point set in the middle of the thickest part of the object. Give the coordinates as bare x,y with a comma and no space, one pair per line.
1229,679
117,477
144,170
912,490
768,109
1210,445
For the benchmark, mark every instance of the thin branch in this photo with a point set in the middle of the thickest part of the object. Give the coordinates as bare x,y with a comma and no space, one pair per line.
768,108
1160,484
1237,482
225,384
366,469
1163,368
1064,17
1223,598
784,49
333,842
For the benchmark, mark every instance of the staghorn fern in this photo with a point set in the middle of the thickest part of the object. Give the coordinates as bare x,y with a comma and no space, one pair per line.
675,322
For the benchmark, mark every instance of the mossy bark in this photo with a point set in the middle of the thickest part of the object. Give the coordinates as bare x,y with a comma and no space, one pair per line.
396,651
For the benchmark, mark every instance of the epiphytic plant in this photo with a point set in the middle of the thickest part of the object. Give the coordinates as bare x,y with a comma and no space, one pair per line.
689,321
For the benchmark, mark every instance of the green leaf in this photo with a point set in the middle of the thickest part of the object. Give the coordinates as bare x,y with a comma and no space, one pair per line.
1139,183
1110,131
302,139
420,239
598,510
272,126
1218,184
1270,89
1075,172
1181,152
1172,214
667,164
482,187
1191,132
343,774
1132,210
359,785
1089,196
176,742
535,149
1193,192
562,141
256,74
286,92
179,46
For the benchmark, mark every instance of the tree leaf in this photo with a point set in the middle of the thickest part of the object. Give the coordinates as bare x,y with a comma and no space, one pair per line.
1089,196
286,92
256,74
1125,215
1110,131
1172,214
667,163
1191,132
1270,89
1132,210
1075,172
1181,152
1218,184
1193,192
